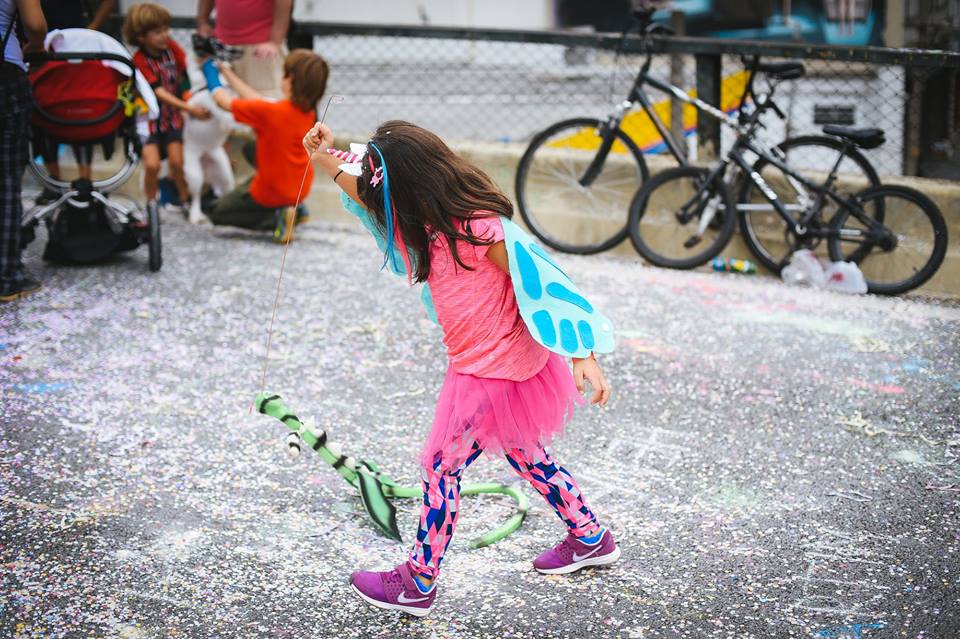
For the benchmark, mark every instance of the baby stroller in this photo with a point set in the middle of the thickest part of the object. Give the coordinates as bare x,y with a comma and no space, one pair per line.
80,100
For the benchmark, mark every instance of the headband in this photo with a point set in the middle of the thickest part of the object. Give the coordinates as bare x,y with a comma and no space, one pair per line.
353,162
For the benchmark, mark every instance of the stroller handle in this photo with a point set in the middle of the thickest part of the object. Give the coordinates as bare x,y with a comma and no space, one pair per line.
79,56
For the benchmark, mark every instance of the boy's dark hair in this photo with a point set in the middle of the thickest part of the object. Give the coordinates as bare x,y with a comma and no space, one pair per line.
434,191
308,78
142,18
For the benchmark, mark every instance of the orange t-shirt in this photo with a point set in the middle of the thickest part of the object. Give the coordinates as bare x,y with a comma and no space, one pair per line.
280,127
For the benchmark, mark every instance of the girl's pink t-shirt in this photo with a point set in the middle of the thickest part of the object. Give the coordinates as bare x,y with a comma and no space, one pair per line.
477,310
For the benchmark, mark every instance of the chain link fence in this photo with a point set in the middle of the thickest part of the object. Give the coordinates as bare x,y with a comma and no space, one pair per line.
501,86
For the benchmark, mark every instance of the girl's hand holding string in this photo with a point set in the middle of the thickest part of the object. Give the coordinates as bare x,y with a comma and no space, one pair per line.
590,370
317,140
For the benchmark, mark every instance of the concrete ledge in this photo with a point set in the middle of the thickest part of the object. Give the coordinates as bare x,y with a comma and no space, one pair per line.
500,162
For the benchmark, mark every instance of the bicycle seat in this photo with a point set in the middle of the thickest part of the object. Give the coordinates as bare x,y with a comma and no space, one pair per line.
863,138
782,70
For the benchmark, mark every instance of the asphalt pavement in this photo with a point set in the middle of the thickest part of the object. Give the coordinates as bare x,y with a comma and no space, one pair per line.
775,461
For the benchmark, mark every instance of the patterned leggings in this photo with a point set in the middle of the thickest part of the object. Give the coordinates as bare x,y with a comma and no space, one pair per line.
441,501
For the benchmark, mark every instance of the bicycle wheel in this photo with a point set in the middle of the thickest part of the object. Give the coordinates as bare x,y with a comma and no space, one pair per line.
912,248
677,220
764,231
565,214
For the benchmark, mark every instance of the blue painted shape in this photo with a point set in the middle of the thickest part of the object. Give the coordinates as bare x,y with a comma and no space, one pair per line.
560,300
546,258
529,277
41,388
568,336
564,294
586,334
544,325
854,631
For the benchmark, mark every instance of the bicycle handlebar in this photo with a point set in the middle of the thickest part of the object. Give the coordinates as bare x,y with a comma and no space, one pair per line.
645,26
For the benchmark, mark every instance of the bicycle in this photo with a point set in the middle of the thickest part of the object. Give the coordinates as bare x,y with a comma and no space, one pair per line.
875,221
576,180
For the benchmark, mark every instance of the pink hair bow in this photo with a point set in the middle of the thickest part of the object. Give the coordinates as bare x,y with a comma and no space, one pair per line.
353,162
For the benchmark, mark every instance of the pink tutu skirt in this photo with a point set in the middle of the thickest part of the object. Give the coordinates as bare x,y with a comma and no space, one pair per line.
500,414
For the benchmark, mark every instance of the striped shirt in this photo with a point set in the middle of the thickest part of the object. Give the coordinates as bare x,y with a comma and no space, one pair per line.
167,70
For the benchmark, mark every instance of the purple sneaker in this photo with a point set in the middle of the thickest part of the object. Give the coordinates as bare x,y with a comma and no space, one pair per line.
393,590
571,555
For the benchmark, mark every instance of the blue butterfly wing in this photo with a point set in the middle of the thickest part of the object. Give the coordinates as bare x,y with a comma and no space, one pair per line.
396,265
558,315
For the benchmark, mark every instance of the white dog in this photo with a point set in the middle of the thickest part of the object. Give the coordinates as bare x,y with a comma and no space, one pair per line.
204,158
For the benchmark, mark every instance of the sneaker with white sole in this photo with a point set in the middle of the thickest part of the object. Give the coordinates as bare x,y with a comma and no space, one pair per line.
286,220
393,590
571,555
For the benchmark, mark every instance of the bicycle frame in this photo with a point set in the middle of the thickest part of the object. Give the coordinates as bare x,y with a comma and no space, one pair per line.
639,96
745,129
800,227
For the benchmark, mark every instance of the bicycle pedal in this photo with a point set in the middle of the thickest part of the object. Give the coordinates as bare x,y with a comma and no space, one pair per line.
692,241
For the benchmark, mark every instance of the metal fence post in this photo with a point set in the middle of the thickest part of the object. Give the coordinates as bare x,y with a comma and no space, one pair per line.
709,79
914,120
678,25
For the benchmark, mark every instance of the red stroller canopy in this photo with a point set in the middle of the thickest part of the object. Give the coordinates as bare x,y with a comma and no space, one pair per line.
77,101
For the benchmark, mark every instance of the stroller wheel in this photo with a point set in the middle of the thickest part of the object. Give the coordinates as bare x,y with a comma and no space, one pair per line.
153,224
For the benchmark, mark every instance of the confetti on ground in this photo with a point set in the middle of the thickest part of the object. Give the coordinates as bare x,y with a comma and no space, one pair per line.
141,498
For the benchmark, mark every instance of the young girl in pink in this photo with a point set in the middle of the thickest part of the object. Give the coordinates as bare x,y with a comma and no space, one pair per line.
504,393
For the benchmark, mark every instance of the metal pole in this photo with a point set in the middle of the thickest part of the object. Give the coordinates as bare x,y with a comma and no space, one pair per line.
709,79
678,24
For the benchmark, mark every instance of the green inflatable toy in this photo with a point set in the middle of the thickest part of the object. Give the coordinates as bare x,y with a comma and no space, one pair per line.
377,489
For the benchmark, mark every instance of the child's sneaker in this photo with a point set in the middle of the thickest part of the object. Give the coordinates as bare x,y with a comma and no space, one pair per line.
283,231
571,555
303,215
393,590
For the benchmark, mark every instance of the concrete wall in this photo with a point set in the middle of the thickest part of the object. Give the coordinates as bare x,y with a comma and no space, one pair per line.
500,162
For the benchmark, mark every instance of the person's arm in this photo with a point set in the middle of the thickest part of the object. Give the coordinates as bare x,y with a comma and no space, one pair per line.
204,9
103,11
34,24
278,30
170,99
221,97
241,88
281,21
317,140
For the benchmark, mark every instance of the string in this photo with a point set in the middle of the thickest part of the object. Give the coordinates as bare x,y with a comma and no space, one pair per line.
283,261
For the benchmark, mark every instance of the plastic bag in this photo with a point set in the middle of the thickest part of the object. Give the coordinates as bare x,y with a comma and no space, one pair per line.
845,277
804,268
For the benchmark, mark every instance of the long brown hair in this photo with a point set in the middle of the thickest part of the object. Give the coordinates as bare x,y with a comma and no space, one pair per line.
434,191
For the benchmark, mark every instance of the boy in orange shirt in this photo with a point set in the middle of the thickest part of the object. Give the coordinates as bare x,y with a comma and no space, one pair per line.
267,200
